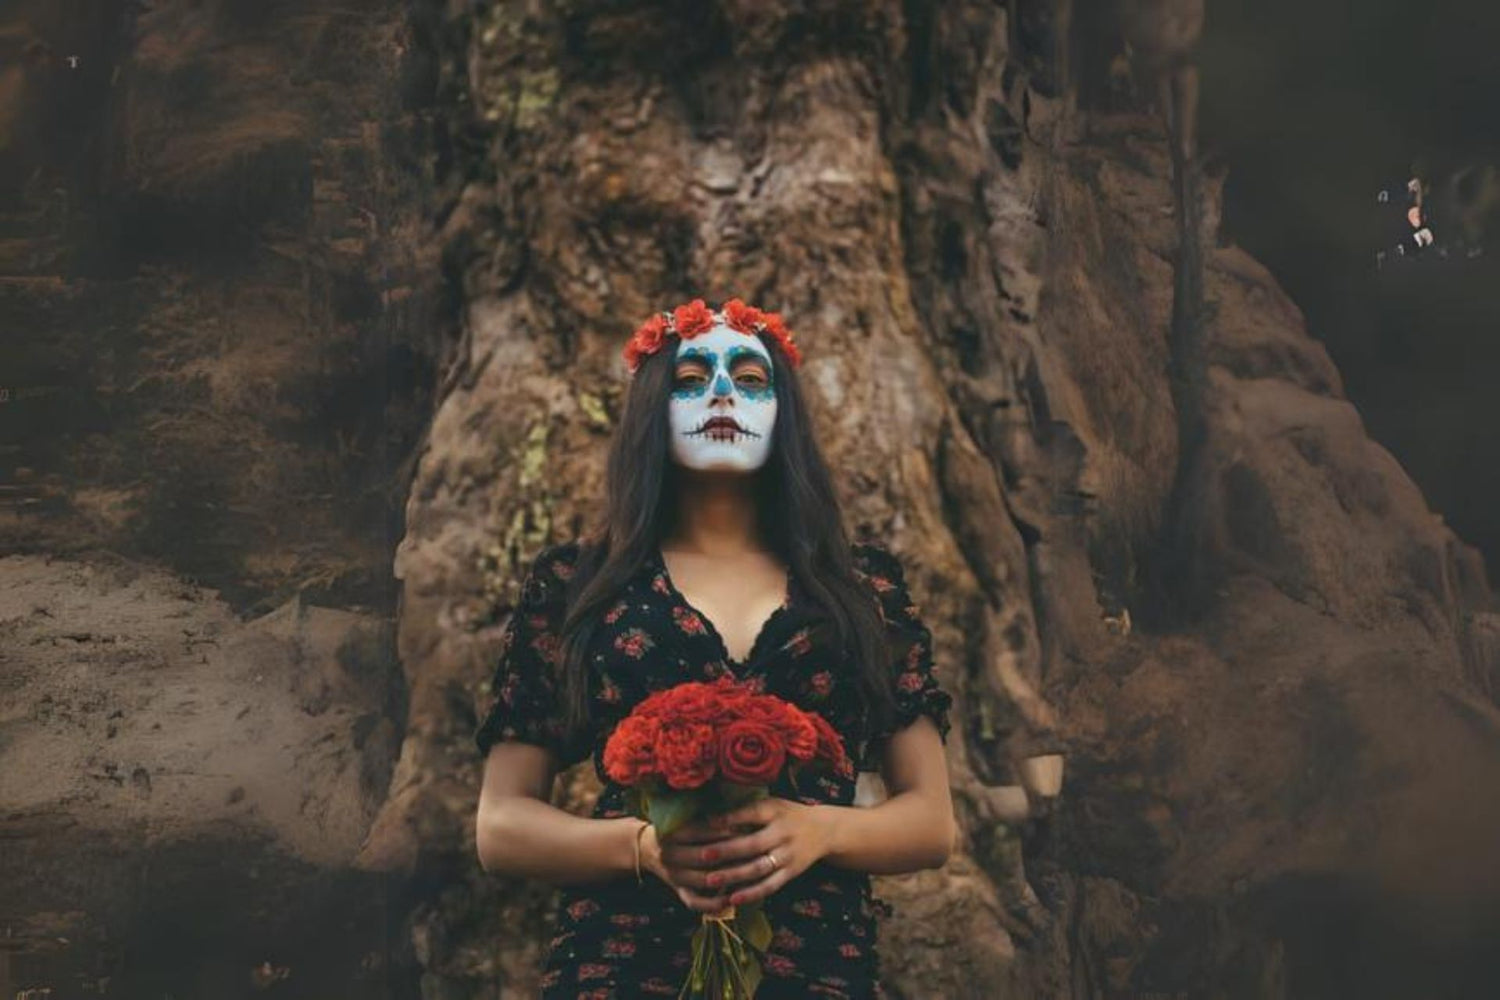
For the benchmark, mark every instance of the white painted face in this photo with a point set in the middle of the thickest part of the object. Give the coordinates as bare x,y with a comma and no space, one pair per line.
722,375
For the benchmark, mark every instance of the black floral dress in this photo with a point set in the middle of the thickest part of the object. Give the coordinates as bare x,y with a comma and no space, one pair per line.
620,939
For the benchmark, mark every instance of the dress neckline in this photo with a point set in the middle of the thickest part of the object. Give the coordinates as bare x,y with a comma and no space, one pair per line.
713,630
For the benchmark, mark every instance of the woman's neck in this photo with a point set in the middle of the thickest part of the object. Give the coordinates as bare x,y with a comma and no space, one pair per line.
716,514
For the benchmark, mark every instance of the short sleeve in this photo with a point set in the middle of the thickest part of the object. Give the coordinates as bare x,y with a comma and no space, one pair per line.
916,687
524,699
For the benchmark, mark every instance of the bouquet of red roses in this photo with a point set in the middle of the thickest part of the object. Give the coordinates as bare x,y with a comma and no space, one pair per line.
703,749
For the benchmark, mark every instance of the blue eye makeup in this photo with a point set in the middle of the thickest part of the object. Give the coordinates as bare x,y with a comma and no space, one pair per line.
752,380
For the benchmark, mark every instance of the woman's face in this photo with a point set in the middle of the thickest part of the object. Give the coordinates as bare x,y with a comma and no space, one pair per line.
723,404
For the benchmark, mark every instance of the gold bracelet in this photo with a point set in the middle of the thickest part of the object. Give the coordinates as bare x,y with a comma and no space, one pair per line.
639,832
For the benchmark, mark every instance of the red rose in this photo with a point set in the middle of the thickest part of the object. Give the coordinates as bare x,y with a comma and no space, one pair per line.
699,703
647,339
741,317
751,753
776,328
693,701
801,737
693,318
686,753
789,721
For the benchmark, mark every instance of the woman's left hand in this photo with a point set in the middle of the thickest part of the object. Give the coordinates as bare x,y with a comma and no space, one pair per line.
796,834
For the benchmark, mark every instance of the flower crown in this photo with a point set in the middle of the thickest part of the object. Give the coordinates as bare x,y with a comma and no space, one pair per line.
687,321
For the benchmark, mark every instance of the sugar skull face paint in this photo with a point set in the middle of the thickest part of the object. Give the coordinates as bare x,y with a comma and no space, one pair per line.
723,403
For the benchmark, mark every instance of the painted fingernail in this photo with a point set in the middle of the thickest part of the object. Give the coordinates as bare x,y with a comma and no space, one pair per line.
736,897
714,880
710,855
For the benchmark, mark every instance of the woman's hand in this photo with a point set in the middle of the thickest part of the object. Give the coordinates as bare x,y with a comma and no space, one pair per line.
685,878
712,859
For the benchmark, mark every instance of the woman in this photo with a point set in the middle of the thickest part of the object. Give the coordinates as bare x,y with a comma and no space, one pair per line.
721,550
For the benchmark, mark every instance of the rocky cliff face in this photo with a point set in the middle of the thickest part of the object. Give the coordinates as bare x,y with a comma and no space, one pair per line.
1282,758
214,284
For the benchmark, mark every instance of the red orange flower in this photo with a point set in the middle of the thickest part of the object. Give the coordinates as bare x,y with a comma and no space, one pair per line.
647,339
693,319
686,749
688,734
742,317
687,753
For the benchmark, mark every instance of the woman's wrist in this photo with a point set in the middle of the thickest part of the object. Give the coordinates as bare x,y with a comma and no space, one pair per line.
650,848
625,853
833,820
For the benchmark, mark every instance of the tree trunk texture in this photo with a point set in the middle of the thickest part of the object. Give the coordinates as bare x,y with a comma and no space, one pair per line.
310,290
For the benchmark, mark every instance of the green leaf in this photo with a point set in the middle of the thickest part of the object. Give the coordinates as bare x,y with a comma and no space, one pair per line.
667,811
752,973
755,927
741,795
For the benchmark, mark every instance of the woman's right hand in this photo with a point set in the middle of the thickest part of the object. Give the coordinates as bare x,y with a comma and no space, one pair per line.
678,861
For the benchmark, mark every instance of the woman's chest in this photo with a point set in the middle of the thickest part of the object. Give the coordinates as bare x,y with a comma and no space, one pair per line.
650,639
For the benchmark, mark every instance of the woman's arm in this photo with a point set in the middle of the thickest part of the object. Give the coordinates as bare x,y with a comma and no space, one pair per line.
914,828
519,832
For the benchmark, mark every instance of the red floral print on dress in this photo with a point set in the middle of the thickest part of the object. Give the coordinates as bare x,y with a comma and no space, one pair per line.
779,965
785,939
594,970
583,908
689,621
634,642
619,947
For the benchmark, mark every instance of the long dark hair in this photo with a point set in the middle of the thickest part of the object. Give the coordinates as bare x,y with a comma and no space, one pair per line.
799,512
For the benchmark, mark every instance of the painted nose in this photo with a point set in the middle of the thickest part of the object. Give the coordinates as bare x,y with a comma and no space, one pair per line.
722,386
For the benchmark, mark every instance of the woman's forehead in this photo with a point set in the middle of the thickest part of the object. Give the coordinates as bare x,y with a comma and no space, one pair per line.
721,340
